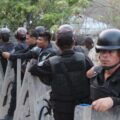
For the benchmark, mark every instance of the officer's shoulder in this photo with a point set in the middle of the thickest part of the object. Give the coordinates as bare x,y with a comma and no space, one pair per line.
54,59
79,53
79,48
51,51
79,56
35,49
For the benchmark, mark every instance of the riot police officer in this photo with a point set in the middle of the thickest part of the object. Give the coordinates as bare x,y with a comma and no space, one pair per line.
20,35
40,29
105,88
7,45
5,36
66,76
21,44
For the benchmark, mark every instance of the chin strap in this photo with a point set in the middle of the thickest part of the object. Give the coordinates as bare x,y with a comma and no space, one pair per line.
110,67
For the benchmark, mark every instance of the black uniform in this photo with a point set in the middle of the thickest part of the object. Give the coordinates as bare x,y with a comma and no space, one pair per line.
20,46
110,87
46,53
25,55
6,47
62,98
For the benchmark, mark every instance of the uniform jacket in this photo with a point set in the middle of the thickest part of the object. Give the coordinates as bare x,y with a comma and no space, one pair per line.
101,88
60,103
24,54
6,47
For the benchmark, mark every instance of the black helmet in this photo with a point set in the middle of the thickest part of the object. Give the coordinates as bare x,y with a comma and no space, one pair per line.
20,34
5,31
5,34
108,40
40,29
33,33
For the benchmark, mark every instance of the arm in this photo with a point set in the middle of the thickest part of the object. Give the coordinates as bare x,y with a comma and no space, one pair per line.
21,51
43,72
116,101
14,56
89,63
92,72
112,96
104,104
27,55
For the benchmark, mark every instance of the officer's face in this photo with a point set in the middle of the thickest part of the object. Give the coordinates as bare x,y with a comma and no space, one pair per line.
41,42
108,58
30,40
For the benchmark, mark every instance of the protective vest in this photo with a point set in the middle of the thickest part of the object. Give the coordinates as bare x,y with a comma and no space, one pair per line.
76,67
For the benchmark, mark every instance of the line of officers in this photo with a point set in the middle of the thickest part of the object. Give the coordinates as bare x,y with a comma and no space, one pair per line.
65,67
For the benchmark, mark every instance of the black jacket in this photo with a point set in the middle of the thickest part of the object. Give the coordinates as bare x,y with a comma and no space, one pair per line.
101,88
46,53
43,56
46,68
45,71
24,54
20,46
6,47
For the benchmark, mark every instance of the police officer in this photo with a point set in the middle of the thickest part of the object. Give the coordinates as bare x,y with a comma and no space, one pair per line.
25,55
5,36
32,51
20,35
6,46
66,73
31,41
40,29
106,85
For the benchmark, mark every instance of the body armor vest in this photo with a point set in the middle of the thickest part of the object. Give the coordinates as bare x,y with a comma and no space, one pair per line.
76,68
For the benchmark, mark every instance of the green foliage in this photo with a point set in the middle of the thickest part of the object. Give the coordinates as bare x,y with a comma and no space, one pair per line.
61,5
15,13
113,17
50,19
72,2
83,3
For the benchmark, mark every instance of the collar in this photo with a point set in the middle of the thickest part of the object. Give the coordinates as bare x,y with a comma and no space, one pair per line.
114,77
67,52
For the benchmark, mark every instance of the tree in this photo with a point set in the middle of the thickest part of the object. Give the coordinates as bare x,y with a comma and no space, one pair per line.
15,13
114,13
106,11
